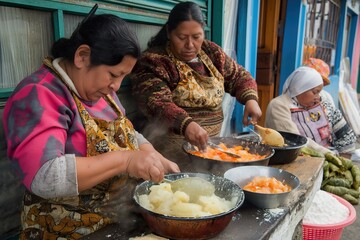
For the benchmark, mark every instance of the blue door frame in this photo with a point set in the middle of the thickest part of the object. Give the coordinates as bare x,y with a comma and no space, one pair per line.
247,38
292,49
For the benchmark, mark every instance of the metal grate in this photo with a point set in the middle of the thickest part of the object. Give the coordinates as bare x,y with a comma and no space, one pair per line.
322,25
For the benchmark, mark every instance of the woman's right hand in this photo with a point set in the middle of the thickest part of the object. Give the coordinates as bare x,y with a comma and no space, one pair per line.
196,135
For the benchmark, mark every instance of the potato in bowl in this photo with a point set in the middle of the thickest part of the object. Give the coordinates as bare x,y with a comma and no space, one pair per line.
199,227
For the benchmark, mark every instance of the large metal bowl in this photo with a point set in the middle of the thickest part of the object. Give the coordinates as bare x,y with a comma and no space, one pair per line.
187,227
288,153
219,167
243,175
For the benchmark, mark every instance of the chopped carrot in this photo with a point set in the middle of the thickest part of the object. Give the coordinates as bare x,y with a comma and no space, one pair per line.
266,185
215,154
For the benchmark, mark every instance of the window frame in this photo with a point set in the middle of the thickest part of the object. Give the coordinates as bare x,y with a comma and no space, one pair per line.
153,12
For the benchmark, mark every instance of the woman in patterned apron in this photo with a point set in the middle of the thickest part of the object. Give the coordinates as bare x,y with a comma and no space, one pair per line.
301,110
78,154
180,81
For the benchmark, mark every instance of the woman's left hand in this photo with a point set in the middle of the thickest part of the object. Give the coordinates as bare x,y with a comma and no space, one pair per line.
252,112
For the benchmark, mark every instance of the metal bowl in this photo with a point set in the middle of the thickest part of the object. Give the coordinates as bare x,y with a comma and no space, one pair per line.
188,227
289,153
219,167
244,174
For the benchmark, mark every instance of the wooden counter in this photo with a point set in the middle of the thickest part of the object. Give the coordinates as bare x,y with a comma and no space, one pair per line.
250,222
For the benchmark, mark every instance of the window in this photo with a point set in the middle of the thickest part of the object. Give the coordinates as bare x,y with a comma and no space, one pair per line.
25,37
321,30
144,32
28,29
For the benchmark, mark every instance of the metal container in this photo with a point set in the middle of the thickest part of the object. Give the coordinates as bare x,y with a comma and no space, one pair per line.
244,174
186,227
290,152
218,167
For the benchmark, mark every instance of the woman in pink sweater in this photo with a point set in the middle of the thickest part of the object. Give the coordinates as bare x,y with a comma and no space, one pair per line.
78,154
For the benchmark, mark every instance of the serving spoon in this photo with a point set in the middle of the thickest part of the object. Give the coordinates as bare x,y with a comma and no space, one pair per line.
270,136
213,145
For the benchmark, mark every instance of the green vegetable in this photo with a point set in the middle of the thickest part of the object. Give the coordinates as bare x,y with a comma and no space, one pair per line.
333,167
350,199
326,165
340,191
355,171
347,163
326,174
333,159
324,182
311,152
354,193
349,176
337,181
333,174
326,169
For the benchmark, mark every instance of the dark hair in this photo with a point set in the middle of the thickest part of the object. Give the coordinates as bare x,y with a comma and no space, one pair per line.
109,37
183,11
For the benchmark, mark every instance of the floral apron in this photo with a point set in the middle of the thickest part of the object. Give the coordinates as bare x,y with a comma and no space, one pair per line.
92,209
196,94
312,123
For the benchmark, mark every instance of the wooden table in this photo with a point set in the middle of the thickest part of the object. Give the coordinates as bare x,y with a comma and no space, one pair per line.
250,222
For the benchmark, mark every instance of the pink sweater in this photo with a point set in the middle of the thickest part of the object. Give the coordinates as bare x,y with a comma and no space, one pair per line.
41,122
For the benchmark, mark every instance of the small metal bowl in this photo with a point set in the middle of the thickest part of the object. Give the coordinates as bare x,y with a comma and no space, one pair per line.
188,227
290,152
219,167
244,174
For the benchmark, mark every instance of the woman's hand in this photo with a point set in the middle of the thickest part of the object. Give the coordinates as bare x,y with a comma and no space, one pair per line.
252,112
149,164
196,135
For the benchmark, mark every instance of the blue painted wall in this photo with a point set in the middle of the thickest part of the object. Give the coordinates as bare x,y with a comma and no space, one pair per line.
247,38
293,39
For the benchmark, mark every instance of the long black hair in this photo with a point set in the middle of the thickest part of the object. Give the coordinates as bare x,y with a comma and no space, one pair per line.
183,11
109,37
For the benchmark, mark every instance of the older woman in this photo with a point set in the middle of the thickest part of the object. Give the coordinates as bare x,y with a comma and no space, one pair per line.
180,80
300,110
68,132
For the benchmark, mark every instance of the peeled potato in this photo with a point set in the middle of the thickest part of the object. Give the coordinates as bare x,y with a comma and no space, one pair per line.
163,200
187,209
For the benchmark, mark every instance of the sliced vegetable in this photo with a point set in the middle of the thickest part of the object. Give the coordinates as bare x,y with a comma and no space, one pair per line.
266,185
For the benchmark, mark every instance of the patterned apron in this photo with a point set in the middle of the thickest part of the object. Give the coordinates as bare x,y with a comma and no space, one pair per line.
74,217
312,123
197,95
